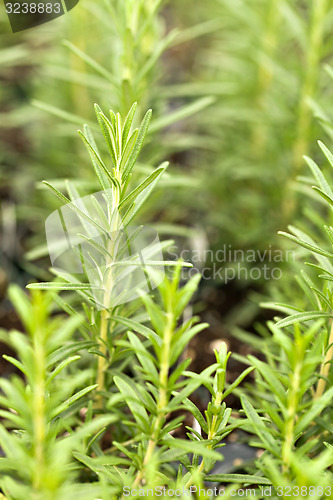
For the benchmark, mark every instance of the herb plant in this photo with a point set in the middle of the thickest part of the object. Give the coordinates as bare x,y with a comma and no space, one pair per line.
98,387
290,409
138,379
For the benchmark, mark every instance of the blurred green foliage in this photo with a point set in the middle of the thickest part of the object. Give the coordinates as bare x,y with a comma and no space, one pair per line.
240,91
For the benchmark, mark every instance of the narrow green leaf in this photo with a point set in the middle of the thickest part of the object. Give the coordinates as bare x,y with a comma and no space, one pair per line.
66,351
156,54
145,358
104,178
97,464
60,367
306,245
52,285
61,196
66,404
108,133
73,207
237,478
16,363
197,414
92,63
138,145
96,245
186,293
156,316
9,444
301,317
181,114
135,405
126,154
324,195
128,123
132,196
238,380
134,325
178,371
319,176
317,407
170,455
181,339
60,113
99,165
197,447
22,306
327,153
141,198
277,306
260,428
323,261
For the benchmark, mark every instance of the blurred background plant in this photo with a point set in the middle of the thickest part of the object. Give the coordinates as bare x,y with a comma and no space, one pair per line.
261,65
40,420
130,362
289,406
240,91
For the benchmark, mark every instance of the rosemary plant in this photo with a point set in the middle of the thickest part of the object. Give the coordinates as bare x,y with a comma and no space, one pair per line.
293,390
139,379
267,62
123,146
41,424
125,60
101,392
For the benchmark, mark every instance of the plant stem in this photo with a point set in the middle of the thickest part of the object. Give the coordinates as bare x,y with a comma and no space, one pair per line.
325,367
313,59
39,408
103,362
211,434
308,91
162,396
293,401
266,74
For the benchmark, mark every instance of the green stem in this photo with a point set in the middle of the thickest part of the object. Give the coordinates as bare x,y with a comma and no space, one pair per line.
292,406
313,60
163,397
39,409
308,91
137,49
325,367
266,73
212,430
103,362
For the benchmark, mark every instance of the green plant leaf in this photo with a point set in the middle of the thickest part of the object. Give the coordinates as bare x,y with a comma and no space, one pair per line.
133,195
301,317
236,478
66,404
259,427
138,145
53,285
197,447
128,124
306,245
